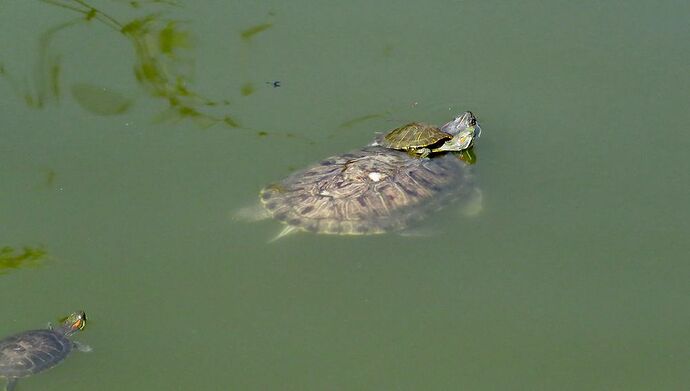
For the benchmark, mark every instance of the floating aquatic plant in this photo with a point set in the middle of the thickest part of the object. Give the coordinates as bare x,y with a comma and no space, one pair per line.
162,66
27,257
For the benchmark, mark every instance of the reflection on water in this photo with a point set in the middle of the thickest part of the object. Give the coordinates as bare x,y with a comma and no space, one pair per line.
27,257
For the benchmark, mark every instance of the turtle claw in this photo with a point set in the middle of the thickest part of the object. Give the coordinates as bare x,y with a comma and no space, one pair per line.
82,347
468,156
250,213
417,233
474,204
419,152
11,383
286,231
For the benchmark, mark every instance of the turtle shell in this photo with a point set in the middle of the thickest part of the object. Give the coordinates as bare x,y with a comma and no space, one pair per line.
32,351
367,191
414,135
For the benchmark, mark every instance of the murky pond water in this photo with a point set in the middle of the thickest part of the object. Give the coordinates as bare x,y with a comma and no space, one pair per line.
131,133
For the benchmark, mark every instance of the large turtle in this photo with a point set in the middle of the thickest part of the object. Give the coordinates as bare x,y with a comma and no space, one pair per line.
30,352
367,191
423,139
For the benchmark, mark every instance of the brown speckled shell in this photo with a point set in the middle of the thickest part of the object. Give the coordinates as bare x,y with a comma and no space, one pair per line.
367,191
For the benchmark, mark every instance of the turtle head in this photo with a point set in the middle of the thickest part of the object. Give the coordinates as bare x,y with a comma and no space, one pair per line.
74,322
464,122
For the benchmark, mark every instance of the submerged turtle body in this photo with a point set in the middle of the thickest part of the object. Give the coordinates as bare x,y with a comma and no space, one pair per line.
33,351
423,139
367,191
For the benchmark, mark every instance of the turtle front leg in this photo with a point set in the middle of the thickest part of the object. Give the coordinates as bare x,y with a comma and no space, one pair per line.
467,156
423,152
82,347
11,383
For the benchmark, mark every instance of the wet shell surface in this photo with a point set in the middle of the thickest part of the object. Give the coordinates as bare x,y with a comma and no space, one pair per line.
32,351
367,191
414,135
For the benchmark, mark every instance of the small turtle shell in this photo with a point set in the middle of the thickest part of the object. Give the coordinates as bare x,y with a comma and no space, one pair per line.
414,135
368,191
32,351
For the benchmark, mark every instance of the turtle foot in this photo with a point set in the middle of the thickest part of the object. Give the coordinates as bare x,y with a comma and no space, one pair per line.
250,213
474,205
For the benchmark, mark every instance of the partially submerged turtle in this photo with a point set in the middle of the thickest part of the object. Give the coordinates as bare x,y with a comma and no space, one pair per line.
30,352
367,191
422,139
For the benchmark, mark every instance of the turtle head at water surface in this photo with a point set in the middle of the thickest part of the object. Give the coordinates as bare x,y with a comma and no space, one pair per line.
465,122
74,322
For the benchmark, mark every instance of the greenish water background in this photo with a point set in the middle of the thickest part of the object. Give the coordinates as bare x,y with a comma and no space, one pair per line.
574,276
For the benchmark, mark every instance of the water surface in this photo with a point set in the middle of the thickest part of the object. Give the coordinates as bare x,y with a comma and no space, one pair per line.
124,156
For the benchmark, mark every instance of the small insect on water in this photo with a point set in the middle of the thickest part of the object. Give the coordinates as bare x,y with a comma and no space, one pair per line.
274,83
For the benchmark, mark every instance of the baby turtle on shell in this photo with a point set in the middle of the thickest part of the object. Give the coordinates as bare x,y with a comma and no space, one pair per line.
367,191
423,139
30,352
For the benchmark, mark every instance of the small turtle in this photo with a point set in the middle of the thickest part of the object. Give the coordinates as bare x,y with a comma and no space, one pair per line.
30,352
423,139
367,191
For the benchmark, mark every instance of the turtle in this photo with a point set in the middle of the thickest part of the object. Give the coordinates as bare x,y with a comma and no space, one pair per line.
33,351
371,190
422,139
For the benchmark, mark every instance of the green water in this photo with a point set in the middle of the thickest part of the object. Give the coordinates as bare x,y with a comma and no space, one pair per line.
118,194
